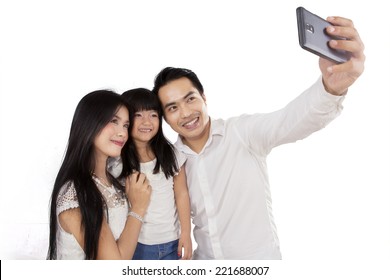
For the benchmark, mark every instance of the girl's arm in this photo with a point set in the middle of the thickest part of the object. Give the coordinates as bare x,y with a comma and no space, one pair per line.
183,208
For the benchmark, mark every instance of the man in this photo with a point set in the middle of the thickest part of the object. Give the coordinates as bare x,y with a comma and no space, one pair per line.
226,159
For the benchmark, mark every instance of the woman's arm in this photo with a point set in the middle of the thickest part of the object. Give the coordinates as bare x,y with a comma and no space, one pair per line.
138,192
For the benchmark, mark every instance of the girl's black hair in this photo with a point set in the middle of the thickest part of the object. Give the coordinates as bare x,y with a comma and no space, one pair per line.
141,99
92,114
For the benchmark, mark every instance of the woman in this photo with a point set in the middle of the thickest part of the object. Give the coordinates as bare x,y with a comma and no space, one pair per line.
90,216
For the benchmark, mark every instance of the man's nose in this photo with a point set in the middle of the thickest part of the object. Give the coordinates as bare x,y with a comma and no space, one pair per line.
185,112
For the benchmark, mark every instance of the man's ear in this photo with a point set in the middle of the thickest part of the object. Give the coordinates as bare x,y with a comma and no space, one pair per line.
204,98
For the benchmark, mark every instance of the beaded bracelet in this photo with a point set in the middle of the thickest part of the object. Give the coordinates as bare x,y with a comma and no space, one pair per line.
135,215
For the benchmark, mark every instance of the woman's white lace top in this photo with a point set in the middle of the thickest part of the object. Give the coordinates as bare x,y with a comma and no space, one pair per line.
67,245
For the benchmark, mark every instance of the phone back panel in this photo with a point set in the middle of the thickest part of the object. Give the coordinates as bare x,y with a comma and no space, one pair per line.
313,37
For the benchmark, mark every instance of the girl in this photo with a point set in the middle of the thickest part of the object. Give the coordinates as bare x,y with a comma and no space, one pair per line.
89,216
162,236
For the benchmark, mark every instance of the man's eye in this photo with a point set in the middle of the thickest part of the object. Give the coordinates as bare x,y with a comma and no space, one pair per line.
172,109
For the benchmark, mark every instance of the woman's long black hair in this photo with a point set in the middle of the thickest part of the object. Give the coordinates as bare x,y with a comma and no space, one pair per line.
92,114
141,99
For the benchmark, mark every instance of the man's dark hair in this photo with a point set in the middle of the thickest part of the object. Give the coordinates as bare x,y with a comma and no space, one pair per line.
169,74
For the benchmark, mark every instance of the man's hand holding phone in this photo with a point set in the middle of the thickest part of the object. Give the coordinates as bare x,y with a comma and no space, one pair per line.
338,44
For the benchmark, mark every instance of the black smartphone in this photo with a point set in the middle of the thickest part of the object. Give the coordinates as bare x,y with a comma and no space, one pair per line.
313,37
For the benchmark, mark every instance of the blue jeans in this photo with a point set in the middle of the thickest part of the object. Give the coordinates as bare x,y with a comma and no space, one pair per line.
165,251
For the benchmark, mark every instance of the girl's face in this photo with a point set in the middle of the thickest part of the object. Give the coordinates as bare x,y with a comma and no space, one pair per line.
145,127
111,139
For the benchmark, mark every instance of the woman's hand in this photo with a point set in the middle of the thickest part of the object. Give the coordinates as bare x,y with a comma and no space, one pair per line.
138,192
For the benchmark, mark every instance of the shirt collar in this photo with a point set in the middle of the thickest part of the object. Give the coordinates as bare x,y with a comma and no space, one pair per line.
217,127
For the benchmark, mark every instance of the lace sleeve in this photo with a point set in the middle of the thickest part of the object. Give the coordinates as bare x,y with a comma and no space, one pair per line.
67,198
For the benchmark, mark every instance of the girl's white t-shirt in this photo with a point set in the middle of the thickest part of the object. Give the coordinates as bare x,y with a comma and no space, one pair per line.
161,223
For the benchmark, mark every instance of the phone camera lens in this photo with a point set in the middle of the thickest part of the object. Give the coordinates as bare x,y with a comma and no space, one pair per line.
309,28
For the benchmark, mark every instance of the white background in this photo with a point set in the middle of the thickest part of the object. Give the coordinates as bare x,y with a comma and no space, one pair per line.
330,191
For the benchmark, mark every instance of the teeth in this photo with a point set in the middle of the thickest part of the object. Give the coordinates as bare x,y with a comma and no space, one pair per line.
191,122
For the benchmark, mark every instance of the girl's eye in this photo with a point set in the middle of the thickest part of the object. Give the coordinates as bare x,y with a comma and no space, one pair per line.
138,115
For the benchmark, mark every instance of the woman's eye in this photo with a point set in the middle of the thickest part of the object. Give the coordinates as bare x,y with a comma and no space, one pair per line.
114,121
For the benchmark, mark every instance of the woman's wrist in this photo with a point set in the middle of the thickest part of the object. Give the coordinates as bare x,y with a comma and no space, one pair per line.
136,216
139,210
